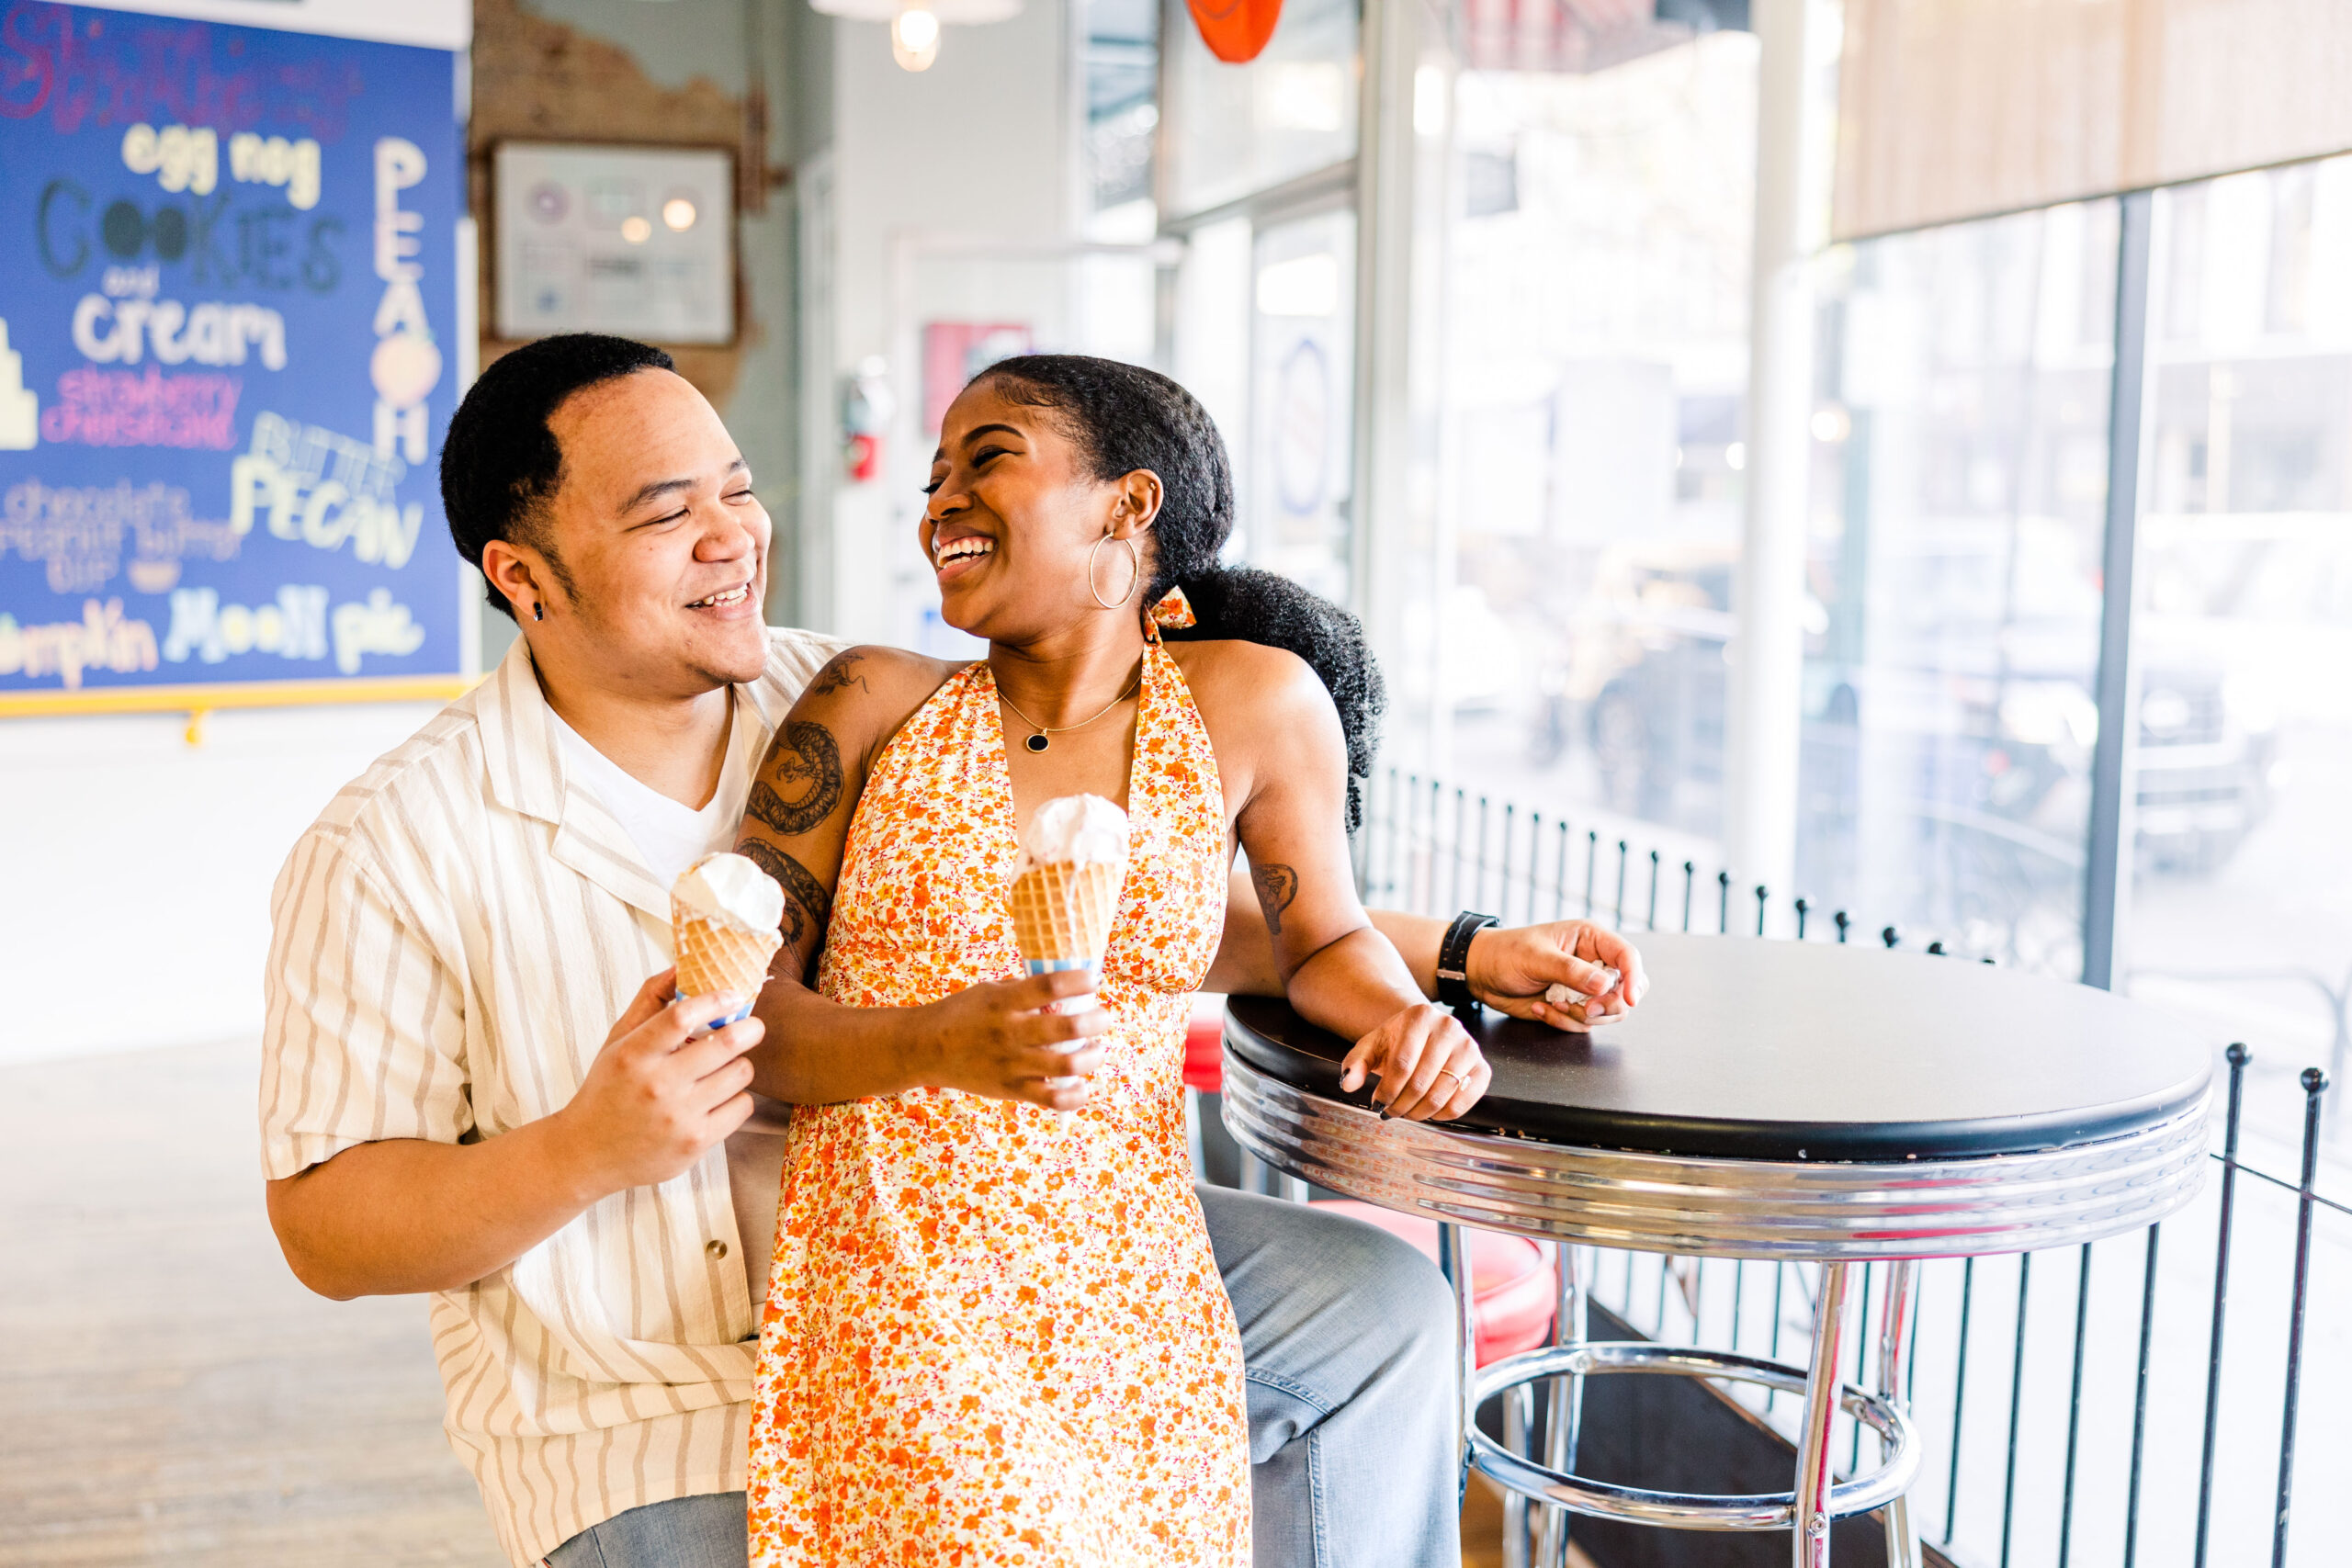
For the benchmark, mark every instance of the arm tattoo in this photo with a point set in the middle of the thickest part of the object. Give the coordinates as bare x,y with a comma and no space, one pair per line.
840,675
806,905
1276,886
804,754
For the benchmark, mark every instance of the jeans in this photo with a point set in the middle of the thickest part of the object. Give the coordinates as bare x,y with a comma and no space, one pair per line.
1349,1336
685,1532
1348,1333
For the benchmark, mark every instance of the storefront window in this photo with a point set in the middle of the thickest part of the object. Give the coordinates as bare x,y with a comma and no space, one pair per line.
1240,130
1958,512
2243,763
1120,79
1594,363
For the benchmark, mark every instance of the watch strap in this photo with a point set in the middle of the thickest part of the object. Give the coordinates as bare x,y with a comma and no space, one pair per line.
1453,960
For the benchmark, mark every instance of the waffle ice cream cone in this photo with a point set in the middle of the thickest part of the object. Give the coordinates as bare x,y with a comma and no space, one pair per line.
725,912
1062,912
714,956
1065,884
1066,890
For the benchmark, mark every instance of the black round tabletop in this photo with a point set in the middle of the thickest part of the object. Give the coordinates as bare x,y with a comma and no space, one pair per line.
1748,1049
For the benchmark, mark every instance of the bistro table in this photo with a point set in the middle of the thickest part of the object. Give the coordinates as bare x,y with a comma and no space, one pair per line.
1788,1101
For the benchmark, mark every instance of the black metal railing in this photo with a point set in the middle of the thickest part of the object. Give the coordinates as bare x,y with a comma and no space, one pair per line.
2136,1337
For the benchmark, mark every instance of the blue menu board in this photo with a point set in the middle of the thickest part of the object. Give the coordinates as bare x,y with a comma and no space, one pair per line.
228,353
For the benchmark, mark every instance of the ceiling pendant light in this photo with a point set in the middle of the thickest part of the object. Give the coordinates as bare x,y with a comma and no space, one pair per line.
916,25
914,36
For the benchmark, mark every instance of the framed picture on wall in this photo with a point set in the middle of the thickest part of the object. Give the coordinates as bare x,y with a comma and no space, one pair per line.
633,241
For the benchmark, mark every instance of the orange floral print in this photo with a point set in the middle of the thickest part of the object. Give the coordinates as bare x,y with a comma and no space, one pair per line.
995,1335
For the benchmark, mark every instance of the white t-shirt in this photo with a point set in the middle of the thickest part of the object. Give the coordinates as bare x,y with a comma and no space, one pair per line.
671,836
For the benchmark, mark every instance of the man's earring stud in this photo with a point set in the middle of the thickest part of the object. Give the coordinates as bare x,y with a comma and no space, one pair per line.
539,611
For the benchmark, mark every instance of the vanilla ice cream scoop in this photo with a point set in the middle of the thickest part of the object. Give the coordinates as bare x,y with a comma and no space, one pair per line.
724,913
1083,829
730,890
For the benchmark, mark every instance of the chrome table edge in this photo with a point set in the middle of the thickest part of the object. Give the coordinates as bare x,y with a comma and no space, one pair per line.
1723,1208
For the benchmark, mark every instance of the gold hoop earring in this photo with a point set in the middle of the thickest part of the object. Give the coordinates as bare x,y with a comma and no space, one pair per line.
1134,558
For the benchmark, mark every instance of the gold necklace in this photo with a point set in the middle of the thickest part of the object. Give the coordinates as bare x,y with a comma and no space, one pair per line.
1040,741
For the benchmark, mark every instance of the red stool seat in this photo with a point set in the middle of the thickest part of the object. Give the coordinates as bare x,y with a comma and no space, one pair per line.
1516,1282
1205,1045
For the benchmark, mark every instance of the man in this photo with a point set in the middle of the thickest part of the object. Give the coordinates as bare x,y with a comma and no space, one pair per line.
449,1104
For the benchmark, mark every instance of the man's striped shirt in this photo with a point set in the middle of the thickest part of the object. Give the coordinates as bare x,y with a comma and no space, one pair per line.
453,940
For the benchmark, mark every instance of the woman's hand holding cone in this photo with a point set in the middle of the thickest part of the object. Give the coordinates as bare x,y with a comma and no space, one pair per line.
996,1038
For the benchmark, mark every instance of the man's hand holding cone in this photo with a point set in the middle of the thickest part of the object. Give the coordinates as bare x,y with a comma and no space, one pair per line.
726,914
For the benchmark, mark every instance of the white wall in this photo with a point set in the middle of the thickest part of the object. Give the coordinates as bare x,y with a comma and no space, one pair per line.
135,869
975,149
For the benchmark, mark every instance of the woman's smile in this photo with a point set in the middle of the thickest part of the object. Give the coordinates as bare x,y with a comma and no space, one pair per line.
959,558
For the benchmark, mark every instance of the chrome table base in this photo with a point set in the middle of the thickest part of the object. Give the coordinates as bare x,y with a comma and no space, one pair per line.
1807,1508
1834,1214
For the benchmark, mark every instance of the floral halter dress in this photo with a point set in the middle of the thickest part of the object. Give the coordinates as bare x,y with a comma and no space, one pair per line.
995,1334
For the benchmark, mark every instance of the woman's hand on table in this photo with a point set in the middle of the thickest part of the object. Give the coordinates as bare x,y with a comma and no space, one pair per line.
1510,967
1429,1068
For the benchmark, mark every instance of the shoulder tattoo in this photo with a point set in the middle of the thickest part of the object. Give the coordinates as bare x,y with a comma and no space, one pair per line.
806,905
1276,886
840,674
807,767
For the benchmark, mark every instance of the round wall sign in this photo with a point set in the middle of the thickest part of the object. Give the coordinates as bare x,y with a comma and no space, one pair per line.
1236,30
1302,428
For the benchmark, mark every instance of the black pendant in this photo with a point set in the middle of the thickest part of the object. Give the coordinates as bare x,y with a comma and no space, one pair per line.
1036,742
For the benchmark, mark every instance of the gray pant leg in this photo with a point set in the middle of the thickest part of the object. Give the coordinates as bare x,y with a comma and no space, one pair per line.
1349,1336
707,1532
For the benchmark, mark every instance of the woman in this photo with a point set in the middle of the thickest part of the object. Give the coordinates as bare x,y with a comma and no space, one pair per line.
995,1334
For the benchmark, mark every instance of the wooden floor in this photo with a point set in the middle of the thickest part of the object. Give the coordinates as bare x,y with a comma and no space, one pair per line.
169,1393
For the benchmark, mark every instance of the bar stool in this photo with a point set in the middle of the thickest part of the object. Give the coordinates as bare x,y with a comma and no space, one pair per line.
1512,1303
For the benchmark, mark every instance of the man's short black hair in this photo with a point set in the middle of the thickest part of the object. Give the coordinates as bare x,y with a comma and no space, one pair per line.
501,461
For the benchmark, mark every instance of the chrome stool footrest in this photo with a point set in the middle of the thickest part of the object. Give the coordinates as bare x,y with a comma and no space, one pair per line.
1682,1510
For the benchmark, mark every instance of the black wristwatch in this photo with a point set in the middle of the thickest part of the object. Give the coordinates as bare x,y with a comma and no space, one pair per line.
1453,960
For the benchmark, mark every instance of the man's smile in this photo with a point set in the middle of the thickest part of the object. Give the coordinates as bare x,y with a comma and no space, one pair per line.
725,599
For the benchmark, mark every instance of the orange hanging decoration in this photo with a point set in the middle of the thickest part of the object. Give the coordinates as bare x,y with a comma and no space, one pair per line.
1236,30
